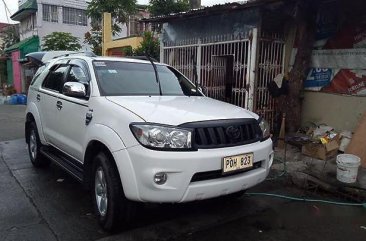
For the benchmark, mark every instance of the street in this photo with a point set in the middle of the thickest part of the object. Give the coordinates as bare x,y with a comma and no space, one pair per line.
47,204
11,122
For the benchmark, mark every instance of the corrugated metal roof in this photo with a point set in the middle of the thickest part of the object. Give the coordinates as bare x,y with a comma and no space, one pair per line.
215,9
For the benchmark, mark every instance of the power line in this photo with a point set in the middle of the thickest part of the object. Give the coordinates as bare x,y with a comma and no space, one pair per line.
6,13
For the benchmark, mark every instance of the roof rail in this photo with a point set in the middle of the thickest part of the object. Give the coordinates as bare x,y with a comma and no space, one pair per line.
141,58
84,53
40,58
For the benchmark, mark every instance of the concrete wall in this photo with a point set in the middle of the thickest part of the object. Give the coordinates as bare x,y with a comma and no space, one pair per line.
28,27
44,28
339,111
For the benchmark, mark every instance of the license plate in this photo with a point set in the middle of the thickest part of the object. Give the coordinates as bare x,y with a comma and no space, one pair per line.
236,163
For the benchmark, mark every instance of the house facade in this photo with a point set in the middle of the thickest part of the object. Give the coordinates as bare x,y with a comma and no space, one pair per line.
237,50
228,51
39,18
130,35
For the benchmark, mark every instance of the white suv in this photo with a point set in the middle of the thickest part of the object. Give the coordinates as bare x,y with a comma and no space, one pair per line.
133,130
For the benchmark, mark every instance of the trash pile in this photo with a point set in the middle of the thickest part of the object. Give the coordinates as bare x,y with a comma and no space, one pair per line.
323,134
323,142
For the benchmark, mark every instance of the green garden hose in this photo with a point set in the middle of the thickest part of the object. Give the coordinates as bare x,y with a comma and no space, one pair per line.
305,199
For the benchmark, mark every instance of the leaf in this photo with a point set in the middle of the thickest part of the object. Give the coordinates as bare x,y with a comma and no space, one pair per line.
60,41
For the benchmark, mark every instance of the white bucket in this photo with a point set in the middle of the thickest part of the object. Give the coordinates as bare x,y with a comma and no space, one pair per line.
347,168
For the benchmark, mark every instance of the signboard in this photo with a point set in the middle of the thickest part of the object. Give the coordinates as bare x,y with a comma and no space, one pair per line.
318,78
339,58
338,65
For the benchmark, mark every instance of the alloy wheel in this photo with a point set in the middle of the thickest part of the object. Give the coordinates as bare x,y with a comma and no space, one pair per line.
101,191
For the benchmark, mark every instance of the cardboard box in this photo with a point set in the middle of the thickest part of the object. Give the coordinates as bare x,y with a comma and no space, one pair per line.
321,151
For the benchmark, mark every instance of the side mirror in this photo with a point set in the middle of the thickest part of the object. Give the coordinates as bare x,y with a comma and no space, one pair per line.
74,89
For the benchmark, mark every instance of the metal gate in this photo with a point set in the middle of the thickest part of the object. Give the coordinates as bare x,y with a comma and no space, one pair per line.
270,64
229,67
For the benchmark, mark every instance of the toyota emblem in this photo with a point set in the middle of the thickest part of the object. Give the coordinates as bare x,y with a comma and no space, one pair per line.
233,132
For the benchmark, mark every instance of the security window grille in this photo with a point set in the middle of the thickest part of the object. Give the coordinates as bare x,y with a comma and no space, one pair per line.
74,16
50,13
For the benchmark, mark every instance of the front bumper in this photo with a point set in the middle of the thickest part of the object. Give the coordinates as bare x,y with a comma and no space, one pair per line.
138,165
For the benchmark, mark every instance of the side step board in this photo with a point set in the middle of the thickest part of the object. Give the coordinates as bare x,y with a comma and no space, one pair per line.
72,166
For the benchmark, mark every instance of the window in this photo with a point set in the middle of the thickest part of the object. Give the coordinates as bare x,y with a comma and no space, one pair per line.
40,71
74,16
50,13
77,75
124,78
55,78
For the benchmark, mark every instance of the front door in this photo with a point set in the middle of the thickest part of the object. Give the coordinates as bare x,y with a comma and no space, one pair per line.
71,128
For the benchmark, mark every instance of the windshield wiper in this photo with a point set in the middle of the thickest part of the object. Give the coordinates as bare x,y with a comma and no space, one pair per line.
156,72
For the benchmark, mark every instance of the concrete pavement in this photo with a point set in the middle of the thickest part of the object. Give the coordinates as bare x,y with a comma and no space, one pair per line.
309,172
12,118
47,204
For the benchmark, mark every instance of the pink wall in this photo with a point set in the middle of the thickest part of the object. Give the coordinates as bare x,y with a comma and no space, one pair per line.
17,80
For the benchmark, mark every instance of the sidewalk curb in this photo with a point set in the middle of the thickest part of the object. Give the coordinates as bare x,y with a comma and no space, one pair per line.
306,181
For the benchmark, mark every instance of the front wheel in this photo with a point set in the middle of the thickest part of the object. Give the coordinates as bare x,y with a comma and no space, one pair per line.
111,206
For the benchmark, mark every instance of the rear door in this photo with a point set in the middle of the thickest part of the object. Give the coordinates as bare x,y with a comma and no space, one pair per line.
47,98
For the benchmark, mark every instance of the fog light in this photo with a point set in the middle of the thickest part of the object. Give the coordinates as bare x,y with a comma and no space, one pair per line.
160,178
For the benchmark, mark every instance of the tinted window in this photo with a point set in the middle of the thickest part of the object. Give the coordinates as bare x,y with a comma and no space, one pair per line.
38,73
123,78
55,78
77,74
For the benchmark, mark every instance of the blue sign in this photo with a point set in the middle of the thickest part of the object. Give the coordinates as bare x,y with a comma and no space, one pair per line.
318,77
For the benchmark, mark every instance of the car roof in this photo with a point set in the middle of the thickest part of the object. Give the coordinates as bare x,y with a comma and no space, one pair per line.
41,58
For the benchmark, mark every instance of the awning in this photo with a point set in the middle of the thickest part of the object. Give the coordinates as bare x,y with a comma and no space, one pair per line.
26,9
27,45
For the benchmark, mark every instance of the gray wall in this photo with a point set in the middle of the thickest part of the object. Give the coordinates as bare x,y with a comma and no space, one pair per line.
45,28
339,111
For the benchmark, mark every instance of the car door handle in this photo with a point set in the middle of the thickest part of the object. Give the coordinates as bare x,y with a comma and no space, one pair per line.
38,97
59,105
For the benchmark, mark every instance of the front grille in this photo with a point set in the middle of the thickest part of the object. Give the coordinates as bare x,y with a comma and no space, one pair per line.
203,176
224,133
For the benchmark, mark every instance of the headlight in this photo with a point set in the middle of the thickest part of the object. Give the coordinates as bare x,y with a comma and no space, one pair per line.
265,128
162,137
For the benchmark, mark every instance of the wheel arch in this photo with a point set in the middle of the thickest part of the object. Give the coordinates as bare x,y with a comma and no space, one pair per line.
92,149
32,115
120,161
28,119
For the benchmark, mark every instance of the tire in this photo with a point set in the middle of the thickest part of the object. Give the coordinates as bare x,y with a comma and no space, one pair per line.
34,146
112,208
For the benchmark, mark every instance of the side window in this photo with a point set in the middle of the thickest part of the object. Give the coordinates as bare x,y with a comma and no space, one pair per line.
55,78
77,74
38,73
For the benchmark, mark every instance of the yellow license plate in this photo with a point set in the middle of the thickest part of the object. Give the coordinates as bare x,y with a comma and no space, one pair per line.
236,163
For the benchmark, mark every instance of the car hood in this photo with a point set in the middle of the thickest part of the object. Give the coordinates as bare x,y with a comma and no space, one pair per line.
176,110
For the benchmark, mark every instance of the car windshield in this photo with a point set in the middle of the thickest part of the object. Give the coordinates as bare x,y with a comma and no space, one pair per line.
117,78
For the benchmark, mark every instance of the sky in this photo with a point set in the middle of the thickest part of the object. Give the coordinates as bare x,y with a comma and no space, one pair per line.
13,7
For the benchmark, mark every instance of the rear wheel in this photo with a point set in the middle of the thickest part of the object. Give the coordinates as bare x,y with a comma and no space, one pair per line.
111,206
34,145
